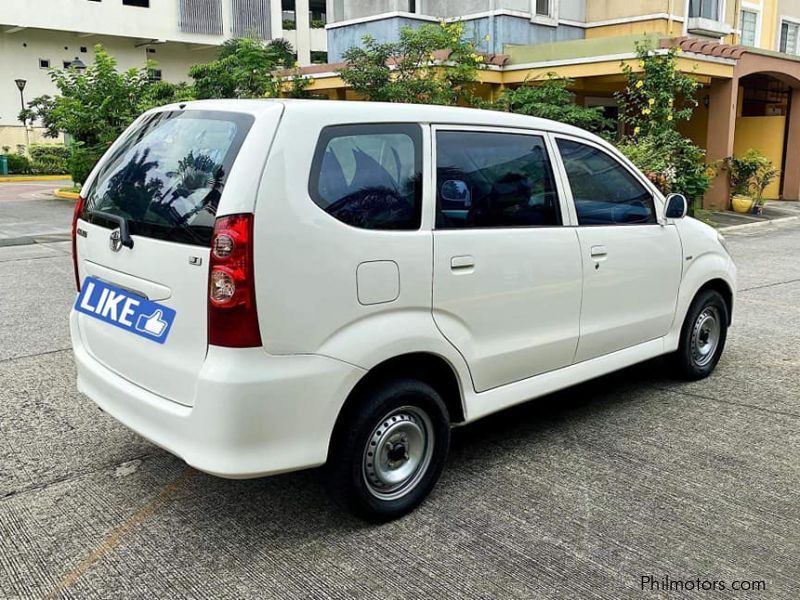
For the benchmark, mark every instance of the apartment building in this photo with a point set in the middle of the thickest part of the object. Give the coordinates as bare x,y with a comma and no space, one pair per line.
744,53
36,35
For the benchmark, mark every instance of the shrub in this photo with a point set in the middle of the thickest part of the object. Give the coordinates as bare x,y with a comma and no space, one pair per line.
18,164
550,98
82,160
408,70
653,103
49,159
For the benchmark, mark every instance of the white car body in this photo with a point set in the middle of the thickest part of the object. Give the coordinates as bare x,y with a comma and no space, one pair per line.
514,313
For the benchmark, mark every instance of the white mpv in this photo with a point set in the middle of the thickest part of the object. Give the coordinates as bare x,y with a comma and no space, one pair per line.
267,286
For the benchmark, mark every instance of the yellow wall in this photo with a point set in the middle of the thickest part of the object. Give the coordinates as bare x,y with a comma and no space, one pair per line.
696,129
766,135
660,26
604,10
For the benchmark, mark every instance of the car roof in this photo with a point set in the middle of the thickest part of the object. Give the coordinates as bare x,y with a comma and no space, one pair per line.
377,112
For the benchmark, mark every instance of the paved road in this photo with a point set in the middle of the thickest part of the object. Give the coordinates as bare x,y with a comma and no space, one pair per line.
577,495
29,210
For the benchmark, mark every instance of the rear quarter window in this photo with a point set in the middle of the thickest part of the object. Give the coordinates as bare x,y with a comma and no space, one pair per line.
369,176
167,177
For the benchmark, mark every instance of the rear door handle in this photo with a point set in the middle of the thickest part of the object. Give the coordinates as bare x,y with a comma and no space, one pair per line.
599,252
459,263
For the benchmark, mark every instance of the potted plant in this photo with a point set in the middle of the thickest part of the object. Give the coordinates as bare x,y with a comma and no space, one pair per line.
741,171
764,175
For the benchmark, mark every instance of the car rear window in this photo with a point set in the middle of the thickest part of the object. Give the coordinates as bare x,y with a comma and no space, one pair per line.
167,177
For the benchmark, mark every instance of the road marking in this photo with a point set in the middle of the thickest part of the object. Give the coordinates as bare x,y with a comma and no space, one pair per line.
113,539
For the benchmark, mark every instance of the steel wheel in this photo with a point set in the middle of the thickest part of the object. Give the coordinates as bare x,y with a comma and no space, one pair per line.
398,452
706,335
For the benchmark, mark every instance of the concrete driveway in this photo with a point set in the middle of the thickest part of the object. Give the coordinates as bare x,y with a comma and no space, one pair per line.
578,495
29,210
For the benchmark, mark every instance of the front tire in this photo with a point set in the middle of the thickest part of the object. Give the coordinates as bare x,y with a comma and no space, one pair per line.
703,336
389,449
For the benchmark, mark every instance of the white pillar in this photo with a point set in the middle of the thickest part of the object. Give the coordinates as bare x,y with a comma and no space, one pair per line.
275,19
303,26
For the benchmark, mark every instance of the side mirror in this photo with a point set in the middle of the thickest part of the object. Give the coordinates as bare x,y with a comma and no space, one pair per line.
455,190
677,206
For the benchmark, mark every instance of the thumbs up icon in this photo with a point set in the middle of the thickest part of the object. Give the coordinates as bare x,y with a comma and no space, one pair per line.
152,324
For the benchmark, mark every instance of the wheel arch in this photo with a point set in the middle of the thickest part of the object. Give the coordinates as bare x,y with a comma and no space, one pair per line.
724,289
431,368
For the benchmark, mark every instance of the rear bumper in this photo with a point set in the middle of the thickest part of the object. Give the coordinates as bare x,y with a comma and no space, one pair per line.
253,414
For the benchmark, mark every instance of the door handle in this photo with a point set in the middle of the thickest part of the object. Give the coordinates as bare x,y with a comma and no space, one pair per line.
459,263
599,252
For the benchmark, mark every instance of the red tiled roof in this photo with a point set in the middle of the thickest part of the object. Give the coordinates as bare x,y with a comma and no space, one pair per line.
705,47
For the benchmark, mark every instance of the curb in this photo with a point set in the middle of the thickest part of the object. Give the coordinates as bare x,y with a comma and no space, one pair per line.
66,195
17,178
758,224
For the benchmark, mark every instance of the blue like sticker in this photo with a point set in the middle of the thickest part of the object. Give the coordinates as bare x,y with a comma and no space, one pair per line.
125,310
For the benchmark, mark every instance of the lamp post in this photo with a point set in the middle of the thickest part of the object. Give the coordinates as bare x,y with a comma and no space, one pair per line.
77,64
21,87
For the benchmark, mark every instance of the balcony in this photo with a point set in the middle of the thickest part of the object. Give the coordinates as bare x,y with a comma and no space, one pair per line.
711,28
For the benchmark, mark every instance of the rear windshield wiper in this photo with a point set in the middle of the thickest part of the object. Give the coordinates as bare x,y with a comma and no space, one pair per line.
124,232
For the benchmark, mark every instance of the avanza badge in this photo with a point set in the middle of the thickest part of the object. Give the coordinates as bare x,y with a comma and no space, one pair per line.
125,310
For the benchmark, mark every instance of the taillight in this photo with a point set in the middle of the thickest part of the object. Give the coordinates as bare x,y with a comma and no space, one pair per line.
232,317
76,214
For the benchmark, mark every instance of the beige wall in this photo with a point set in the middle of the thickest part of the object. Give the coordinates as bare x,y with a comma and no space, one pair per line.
13,137
605,10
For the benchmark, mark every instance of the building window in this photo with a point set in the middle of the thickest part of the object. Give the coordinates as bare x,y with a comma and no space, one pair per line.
705,9
201,16
250,18
44,63
749,28
543,8
789,35
154,75
140,3
66,63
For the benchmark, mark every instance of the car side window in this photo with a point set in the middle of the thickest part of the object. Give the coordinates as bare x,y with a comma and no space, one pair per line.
605,192
488,179
369,176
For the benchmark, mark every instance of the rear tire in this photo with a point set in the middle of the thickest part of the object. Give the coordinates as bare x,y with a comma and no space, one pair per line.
388,449
703,336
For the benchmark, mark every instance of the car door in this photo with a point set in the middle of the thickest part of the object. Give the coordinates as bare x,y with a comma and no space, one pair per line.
631,256
507,271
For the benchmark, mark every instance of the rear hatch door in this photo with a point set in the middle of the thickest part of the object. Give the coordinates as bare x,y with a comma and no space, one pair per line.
166,179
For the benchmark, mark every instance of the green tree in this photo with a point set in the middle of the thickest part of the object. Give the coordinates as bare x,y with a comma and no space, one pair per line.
95,105
655,100
550,98
658,97
432,64
244,68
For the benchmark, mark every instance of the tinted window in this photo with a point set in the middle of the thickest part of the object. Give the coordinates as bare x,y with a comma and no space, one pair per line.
369,176
167,176
605,192
488,179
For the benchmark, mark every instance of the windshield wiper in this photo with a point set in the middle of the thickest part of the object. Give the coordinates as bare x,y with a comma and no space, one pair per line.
124,232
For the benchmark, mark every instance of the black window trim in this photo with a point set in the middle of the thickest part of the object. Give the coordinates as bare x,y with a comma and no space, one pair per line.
549,151
658,200
411,128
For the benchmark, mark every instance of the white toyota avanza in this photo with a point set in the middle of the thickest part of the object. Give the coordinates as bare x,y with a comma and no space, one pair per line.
273,285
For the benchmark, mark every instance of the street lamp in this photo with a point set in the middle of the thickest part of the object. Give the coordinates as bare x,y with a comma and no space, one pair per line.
21,87
77,64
